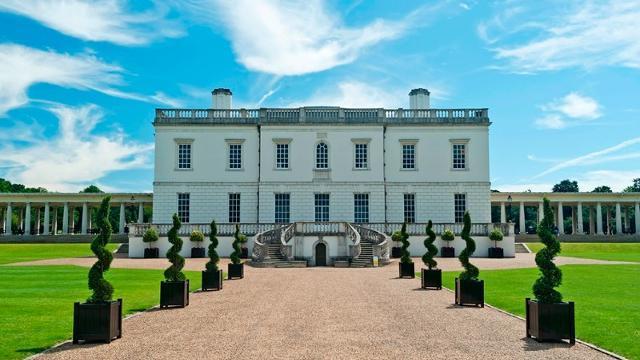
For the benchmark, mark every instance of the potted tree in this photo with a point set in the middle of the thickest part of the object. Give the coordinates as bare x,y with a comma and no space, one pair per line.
235,270
197,238
469,290
174,291
244,253
396,251
447,251
212,277
548,317
496,252
99,318
151,236
431,277
406,266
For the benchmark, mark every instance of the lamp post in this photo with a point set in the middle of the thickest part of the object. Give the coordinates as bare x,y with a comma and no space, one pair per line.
509,200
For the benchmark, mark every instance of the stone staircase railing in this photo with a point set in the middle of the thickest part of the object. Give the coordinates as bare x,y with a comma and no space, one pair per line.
354,236
287,234
380,242
261,243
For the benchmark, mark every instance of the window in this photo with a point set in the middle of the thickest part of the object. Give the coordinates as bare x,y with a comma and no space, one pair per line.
235,156
408,156
184,156
322,156
459,156
282,156
361,155
409,208
234,207
282,208
459,207
361,208
183,207
322,207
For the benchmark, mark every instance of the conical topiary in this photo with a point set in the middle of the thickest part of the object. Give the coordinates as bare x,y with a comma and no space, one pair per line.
404,238
212,264
470,271
237,251
427,258
174,272
551,277
102,289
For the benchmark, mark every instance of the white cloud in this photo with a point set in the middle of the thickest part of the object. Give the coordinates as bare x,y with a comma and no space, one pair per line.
572,110
617,180
108,20
75,156
552,121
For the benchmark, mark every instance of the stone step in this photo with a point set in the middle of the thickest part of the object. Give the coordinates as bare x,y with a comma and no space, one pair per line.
521,248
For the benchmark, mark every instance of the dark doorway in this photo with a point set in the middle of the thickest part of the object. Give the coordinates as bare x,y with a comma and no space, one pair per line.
321,254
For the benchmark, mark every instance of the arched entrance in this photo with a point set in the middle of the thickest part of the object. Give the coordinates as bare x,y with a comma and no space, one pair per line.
321,254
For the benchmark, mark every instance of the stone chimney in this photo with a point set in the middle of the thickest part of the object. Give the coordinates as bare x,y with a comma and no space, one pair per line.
419,99
221,98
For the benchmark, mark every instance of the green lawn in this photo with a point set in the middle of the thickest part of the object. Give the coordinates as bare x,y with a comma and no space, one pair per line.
12,253
600,251
36,302
607,299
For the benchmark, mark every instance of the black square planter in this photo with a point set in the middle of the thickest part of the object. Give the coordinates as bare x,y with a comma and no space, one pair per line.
447,252
97,322
245,253
496,253
197,252
174,293
396,252
151,253
406,270
212,280
551,322
470,292
431,279
235,271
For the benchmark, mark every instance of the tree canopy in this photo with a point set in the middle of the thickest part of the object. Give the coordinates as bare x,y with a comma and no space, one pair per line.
602,189
635,187
92,189
7,187
566,186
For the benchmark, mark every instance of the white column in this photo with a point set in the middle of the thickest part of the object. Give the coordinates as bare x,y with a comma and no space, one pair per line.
47,219
618,219
592,221
55,220
140,213
560,219
523,226
27,219
65,219
37,232
89,211
599,219
72,219
121,218
637,215
540,212
83,229
503,214
7,227
580,222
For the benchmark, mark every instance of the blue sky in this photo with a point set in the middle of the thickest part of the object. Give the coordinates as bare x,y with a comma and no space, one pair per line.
79,80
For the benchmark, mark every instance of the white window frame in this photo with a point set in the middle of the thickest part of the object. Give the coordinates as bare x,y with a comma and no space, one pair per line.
277,142
231,142
275,208
317,158
409,214
233,208
321,208
179,142
356,218
456,199
465,143
184,213
366,143
409,142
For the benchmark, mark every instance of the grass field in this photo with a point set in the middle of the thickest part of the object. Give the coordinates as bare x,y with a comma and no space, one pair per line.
607,299
12,253
600,251
36,302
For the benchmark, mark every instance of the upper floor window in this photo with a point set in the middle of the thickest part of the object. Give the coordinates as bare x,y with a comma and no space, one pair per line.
184,154
459,154
361,155
234,207
322,156
282,155
184,200
408,156
459,207
235,156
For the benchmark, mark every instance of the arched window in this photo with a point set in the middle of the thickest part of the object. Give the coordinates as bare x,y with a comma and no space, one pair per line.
322,156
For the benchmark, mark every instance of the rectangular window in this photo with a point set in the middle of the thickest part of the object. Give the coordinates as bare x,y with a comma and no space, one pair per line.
282,208
459,156
235,156
408,156
234,207
322,207
361,156
361,208
459,207
409,208
183,207
184,156
282,156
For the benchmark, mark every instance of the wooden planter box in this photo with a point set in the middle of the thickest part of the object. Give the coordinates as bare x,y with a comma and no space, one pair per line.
97,322
396,252
470,292
235,271
245,253
212,280
406,270
551,322
174,293
496,253
197,252
151,253
447,252
431,279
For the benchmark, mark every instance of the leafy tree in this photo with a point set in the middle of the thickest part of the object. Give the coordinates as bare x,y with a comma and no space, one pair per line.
212,264
7,187
91,189
602,189
174,272
404,238
566,186
496,235
635,187
197,236
102,289
237,251
470,271
149,236
427,258
551,276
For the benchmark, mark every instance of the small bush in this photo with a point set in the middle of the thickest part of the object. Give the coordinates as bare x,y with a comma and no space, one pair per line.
404,238
447,235
197,236
427,258
396,236
149,236
551,276
174,272
470,271
102,289
237,251
496,235
212,265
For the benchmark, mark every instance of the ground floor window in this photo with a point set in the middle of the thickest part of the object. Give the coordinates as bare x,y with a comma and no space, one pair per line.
361,208
322,207
409,208
234,207
459,207
183,207
282,207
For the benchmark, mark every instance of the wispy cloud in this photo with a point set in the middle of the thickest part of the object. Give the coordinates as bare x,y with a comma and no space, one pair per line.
571,110
617,180
109,20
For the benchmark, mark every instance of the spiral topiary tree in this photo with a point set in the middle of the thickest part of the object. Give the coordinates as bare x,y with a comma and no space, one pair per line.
212,264
102,289
174,272
404,238
427,258
551,277
470,271
237,251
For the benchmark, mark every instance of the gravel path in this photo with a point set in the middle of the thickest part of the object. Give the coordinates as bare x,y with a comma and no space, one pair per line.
323,313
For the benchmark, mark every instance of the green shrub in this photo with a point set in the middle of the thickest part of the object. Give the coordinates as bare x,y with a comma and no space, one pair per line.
197,236
551,276
149,236
102,289
404,238
447,235
212,264
396,236
427,258
237,251
496,235
174,272
470,271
